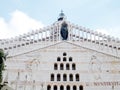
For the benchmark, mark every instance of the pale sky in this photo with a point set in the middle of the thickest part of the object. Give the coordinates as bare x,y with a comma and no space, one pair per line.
22,16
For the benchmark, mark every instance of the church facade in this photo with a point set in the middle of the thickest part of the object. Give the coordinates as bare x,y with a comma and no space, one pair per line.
63,56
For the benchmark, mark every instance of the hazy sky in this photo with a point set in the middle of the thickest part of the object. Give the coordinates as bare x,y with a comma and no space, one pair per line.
21,16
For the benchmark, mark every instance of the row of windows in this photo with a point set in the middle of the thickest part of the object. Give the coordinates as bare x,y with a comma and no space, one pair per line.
64,59
62,66
70,76
68,87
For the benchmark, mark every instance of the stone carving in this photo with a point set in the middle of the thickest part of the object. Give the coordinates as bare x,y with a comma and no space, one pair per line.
95,67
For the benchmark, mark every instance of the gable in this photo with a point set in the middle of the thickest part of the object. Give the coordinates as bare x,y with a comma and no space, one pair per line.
61,47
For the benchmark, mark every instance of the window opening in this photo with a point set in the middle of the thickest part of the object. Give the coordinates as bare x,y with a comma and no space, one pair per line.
73,66
64,77
58,77
52,77
67,66
55,66
71,77
61,66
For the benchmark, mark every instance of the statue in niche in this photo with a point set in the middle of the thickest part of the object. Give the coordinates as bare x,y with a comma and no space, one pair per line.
64,31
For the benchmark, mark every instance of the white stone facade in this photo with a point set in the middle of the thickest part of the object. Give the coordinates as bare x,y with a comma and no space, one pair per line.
41,60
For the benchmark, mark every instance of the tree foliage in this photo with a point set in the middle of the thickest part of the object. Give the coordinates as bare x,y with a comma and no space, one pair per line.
2,57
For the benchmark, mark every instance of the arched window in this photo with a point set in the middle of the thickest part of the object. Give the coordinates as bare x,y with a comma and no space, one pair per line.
67,87
77,77
48,87
58,59
61,87
64,77
55,87
71,77
67,66
61,66
64,59
52,77
64,54
81,87
55,66
58,77
70,59
74,87
73,66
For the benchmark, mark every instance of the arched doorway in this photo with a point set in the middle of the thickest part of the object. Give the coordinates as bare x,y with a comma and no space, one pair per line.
55,87
61,87
74,87
48,87
67,87
80,87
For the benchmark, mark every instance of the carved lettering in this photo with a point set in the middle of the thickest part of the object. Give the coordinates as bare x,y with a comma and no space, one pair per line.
106,83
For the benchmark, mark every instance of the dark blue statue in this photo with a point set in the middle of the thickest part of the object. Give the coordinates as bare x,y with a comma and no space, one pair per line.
64,31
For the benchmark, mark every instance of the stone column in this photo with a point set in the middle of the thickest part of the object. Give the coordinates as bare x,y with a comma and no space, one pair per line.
53,34
82,35
94,37
70,32
79,34
86,35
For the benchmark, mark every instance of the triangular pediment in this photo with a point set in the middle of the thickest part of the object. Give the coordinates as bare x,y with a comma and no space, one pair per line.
63,46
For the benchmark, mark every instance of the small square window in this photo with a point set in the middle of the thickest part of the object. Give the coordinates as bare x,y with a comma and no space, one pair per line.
58,59
70,59
64,59
64,54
